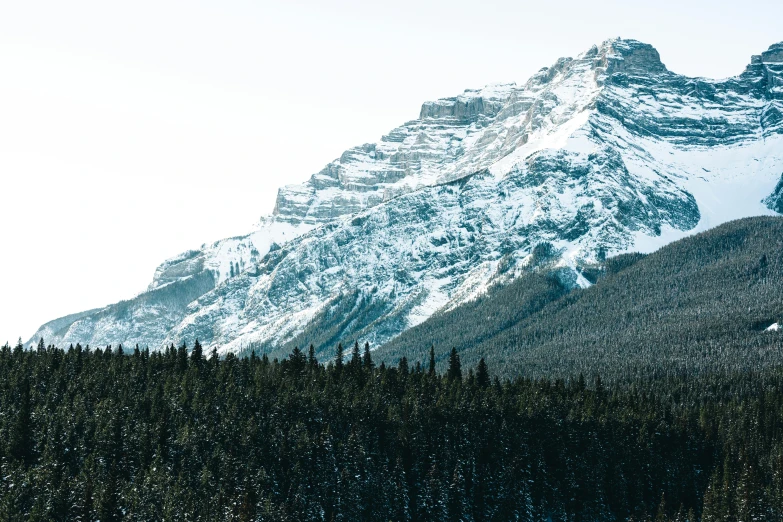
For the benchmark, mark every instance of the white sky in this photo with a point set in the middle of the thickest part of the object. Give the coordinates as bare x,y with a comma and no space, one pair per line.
131,131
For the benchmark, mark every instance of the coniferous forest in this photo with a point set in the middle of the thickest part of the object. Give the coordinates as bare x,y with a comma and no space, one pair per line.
107,434
698,305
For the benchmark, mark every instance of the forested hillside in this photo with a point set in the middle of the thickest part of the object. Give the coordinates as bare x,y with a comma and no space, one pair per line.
656,393
98,435
699,305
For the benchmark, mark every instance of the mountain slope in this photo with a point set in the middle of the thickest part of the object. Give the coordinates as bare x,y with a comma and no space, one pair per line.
704,303
605,153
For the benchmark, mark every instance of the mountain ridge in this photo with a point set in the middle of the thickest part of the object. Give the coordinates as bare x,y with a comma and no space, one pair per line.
597,154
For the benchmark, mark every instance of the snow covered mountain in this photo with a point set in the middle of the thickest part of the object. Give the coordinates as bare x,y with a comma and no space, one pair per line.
601,154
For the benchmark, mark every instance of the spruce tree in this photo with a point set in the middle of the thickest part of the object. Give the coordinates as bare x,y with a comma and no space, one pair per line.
20,439
367,359
455,367
456,495
197,354
660,515
298,361
182,357
482,374
338,358
356,359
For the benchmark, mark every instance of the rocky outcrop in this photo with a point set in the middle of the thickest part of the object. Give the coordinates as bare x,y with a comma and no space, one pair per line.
774,201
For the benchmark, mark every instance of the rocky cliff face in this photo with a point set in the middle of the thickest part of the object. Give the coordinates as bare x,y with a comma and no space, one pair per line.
601,154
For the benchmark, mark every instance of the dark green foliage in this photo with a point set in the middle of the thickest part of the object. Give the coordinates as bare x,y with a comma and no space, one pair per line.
482,374
615,265
338,357
454,372
197,354
367,358
337,322
297,362
475,322
153,436
356,359
20,439
699,305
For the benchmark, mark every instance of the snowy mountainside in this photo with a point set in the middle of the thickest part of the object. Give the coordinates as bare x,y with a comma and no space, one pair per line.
604,153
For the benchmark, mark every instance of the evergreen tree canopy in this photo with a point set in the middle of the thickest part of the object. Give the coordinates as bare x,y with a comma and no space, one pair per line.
86,436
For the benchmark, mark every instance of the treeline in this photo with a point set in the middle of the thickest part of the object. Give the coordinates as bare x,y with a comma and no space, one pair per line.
111,435
697,306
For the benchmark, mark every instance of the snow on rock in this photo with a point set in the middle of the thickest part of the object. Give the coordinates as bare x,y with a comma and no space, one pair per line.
604,153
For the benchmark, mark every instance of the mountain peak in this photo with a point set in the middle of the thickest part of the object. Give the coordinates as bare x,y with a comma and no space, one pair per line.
629,56
772,55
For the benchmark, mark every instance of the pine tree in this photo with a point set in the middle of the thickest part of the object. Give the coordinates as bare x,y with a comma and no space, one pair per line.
338,358
455,367
432,361
749,502
456,495
312,362
712,509
182,357
20,440
367,359
402,366
107,503
197,354
432,496
482,374
356,359
298,361
660,515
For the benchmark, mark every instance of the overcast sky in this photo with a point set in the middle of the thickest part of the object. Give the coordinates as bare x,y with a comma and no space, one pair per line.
131,131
